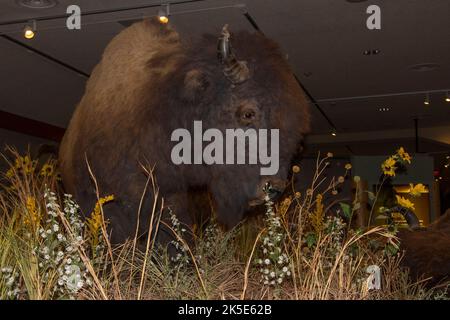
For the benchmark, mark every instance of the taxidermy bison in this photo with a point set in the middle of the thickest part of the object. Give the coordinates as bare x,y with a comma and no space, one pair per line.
149,83
427,250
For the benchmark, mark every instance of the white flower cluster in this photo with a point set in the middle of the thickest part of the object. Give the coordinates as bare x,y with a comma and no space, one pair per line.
209,246
335,227
11,280
58,252
273,262
210,234
181,257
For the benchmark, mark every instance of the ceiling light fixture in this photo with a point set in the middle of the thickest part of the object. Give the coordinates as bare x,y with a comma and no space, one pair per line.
447,96
30,30
333,133
371,52
164,13
384,109
427,99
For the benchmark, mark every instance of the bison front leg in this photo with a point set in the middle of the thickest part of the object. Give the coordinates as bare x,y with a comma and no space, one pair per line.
229,206
121,226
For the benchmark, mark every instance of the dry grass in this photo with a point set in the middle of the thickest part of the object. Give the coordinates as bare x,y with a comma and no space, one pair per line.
321,256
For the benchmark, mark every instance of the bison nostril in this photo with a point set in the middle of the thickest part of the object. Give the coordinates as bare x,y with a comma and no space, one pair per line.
272,191
274,194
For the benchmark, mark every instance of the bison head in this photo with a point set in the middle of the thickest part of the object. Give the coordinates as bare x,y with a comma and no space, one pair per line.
247,86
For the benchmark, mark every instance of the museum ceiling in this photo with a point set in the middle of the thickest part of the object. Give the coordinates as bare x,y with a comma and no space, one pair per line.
362,97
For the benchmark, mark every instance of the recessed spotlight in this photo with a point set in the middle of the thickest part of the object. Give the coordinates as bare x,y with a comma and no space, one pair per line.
333,133
384,109
447,97
30,30
164,13
427,100
37,4
371,52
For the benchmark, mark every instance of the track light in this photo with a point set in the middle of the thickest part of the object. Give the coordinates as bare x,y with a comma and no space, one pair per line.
447,97
427,99
30,30
164,13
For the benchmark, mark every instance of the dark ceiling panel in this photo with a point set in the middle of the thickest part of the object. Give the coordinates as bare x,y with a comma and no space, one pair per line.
36,88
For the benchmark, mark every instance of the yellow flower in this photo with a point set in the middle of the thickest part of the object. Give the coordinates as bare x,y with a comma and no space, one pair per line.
329,155
18,163
341,179
47,170
389,167
95,221
298,195
348,166
390,162
389,172
28,165
417,190
405,203
33,218
296,169
404,155
316,217
10,173
25,164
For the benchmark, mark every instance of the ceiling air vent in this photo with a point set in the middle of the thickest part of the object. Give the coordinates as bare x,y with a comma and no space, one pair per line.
424,67
37,4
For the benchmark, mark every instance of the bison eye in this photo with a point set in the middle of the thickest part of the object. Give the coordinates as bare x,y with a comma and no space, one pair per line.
249,115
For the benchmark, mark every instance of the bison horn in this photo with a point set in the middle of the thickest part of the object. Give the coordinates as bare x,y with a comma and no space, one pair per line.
236,71
410,217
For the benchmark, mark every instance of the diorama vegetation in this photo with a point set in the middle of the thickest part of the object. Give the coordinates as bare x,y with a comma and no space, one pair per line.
306,246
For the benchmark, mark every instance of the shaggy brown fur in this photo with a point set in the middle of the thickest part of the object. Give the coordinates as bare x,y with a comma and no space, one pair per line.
427,252
149,83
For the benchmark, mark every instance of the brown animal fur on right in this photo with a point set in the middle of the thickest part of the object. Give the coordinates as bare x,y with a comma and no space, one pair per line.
427,252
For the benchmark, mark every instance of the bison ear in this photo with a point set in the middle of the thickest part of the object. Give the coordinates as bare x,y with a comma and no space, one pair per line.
195,85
